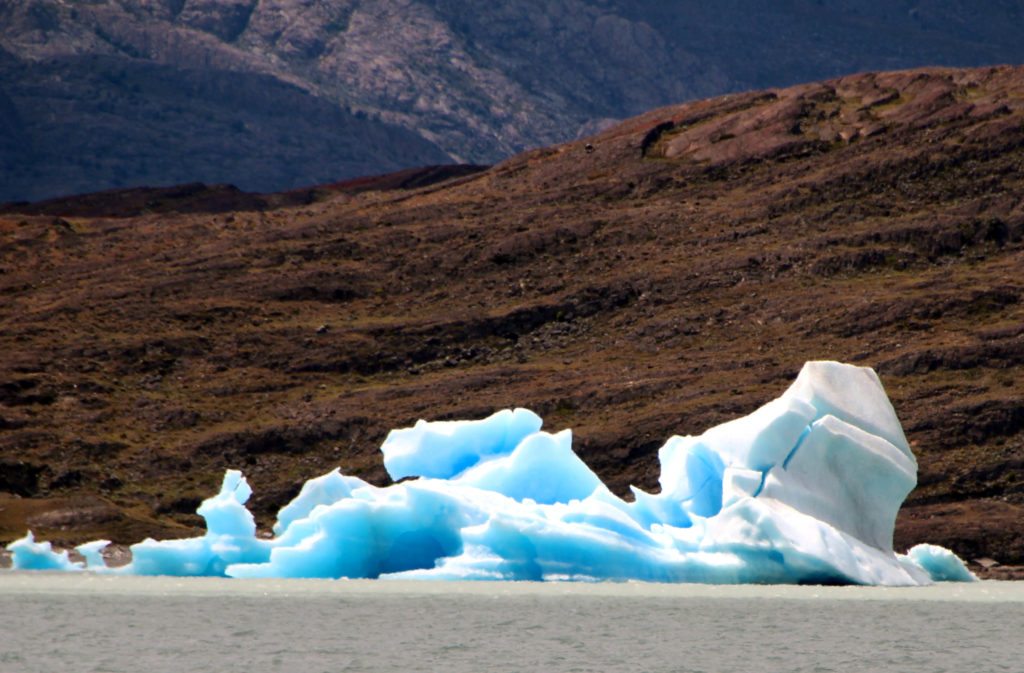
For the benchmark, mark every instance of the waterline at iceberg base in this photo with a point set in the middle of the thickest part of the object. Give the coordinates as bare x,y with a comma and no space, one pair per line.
803,490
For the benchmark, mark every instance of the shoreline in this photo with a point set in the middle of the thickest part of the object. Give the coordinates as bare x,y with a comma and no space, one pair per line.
118,555
73,586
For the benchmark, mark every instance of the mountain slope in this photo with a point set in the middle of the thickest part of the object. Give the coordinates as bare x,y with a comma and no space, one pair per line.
117,93
675,276
155,124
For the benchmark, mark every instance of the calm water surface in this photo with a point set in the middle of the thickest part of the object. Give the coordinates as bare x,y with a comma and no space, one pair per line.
113,624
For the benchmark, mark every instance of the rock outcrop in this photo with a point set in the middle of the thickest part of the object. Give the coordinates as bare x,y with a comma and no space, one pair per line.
277,94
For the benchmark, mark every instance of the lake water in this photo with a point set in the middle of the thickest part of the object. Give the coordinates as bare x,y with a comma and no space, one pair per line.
112,624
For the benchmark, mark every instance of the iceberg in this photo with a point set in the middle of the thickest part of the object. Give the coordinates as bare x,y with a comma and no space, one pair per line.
803,490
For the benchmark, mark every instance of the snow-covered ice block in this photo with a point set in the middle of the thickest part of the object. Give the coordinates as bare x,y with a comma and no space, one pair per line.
941,564
542,468
738,482
691,474
324,490
230,538
851,394
847,478
764,438
661,509
777,543
27,554
92,552
404,527
443,449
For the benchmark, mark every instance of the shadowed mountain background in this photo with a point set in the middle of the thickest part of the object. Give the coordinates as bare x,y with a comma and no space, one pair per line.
675,276
277,94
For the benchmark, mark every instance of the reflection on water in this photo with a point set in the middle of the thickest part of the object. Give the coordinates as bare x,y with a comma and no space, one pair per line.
112,624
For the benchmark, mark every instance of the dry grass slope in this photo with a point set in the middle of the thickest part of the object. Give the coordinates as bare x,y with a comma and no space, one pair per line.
675,277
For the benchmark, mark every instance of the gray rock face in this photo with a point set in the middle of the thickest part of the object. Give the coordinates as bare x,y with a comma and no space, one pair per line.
441,79
225,19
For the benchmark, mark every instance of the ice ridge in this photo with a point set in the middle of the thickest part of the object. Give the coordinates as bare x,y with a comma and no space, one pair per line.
803,490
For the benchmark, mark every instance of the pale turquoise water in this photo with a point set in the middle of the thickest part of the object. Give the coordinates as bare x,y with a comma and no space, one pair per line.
105,624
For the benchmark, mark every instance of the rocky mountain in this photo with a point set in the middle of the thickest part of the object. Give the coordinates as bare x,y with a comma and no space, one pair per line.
276,94
674,276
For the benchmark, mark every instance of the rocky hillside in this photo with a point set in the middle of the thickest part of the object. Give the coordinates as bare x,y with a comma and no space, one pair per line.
276,94
675,276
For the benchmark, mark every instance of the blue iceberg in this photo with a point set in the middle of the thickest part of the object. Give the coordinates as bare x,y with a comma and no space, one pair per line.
803,490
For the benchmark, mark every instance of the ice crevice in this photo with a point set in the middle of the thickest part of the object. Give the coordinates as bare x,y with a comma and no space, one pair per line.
803,490
796,447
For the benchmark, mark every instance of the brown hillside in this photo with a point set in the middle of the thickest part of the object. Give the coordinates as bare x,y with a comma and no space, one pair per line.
674,277
197,197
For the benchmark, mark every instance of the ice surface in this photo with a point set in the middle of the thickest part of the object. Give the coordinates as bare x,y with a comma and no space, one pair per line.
443,449
804,489
230,538
329,488
542,468
816,479
92,552
941,564
27,554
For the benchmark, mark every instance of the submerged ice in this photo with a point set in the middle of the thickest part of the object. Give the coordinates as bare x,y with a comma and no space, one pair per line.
805,489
